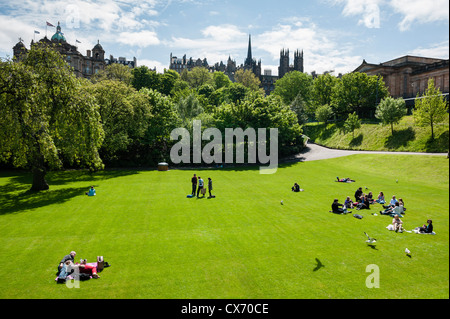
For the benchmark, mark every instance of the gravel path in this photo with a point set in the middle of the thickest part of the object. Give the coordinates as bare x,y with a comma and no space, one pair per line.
314,152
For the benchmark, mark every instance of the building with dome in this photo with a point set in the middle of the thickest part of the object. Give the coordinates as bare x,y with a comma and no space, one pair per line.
83,65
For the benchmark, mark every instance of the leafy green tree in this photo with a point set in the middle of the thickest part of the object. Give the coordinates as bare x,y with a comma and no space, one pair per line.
167,81
221,80
431,108
352,123
114,71
324,113
390,111
117,115
235,92
248,79
47,117
155,145
300,108
322,89
358,92
199,76
189,108
262,112
293,84
143,77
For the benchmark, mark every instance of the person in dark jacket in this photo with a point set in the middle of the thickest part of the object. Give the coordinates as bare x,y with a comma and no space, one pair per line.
336,209
194,184
358,194
70,257
296,188
428,229
210,187
63,265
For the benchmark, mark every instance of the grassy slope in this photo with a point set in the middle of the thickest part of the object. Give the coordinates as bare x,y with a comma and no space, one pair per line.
375,137
242,244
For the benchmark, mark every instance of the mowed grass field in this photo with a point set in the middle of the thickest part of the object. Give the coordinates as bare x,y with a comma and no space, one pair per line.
241,244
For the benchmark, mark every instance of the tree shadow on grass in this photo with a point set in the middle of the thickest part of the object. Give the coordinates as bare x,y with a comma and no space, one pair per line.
439,144
14,203
356,141
16,196
400,138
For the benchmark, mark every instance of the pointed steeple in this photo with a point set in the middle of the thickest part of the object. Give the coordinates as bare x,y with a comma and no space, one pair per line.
248,63
249,52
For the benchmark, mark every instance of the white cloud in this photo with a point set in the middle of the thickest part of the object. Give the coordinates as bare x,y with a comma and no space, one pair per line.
140,39
421,11
151,64
369,10
217,44
439,50
11,30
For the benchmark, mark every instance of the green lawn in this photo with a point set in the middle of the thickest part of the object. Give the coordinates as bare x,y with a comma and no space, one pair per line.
241,244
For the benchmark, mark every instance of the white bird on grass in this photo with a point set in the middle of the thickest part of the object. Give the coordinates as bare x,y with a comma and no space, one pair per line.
408,253
370,241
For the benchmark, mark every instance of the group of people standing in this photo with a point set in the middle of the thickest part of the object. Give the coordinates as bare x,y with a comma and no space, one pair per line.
198,186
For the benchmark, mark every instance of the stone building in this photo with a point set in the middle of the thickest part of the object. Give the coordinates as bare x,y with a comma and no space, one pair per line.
407,76
83,65
267,79
285,65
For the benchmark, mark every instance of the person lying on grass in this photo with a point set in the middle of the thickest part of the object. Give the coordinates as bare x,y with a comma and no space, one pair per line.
345,180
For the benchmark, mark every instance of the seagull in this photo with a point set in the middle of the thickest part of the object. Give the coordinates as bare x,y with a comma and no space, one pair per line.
370,241
408,253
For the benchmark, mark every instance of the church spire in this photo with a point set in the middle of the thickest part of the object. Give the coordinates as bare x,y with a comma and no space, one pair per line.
249,53
249,59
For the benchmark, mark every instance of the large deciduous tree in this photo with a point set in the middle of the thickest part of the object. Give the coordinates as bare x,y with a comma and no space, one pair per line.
358,92
47,118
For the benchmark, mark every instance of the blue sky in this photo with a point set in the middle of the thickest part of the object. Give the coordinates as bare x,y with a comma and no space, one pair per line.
333,34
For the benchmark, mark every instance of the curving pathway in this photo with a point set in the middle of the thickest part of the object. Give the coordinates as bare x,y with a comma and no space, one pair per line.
314,152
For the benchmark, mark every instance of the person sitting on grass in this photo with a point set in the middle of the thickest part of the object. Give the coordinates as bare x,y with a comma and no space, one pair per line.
358,194
336,209
370,198
427,229
91,191
393,211
380,198
364,204
296,188
398,224
348,203
402,203
391,203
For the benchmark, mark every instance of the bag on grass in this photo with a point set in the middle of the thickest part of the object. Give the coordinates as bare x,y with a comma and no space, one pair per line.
100,263
357,216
